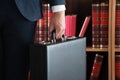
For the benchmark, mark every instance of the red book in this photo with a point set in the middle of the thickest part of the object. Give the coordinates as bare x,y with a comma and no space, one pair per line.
117,67
70,29
73,25
96,67
95,24
67,23
104,24
84,26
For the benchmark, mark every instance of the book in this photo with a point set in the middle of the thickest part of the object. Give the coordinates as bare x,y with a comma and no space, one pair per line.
104,24
73,25
67,24
28,75
70,26
96,24
117,24
96,67
84,26
117,67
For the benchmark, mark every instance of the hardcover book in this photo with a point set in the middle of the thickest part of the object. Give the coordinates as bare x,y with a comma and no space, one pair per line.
104,24
117,24
70,29
95,25
84,26
96,67
117,67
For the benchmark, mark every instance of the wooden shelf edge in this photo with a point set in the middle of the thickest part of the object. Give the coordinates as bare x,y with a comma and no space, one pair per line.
117,49
91,49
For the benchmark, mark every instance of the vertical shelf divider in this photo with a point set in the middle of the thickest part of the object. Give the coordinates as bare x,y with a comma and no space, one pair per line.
113,5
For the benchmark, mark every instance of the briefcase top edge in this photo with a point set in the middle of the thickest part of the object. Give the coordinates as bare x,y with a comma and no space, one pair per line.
58,42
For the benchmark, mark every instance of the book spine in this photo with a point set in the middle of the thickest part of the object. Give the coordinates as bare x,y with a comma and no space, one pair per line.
96,67
117,25
84,26
46,19
95,25
67,25
117,67
103,24
73,25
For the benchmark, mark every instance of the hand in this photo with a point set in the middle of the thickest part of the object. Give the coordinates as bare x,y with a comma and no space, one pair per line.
57,23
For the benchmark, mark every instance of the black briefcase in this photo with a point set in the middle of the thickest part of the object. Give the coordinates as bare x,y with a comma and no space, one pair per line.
59,61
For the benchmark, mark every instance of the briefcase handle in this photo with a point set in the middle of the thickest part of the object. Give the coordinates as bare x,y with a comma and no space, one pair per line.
54,40
63,38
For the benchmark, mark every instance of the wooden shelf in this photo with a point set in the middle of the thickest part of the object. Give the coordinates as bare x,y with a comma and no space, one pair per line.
117,49
91,49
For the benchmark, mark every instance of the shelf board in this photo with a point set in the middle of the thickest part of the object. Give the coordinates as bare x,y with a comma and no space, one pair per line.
91,49
117,49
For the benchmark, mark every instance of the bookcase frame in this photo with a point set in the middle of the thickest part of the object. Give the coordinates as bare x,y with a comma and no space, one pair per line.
114,49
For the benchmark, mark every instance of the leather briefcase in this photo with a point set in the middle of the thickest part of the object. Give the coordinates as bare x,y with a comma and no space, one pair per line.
59,61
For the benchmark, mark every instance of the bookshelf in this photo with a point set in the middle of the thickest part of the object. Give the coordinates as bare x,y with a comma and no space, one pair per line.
83,8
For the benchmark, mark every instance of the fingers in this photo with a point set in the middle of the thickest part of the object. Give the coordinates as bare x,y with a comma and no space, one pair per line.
59,33
57,23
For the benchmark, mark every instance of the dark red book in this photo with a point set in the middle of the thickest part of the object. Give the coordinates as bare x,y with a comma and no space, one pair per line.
117,67
84,26
96,67
95,25
104,24
117,24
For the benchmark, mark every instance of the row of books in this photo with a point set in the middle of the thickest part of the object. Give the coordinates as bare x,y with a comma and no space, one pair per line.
100,19
42,26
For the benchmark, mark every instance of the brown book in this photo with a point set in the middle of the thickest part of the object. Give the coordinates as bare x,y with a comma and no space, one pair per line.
96,67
